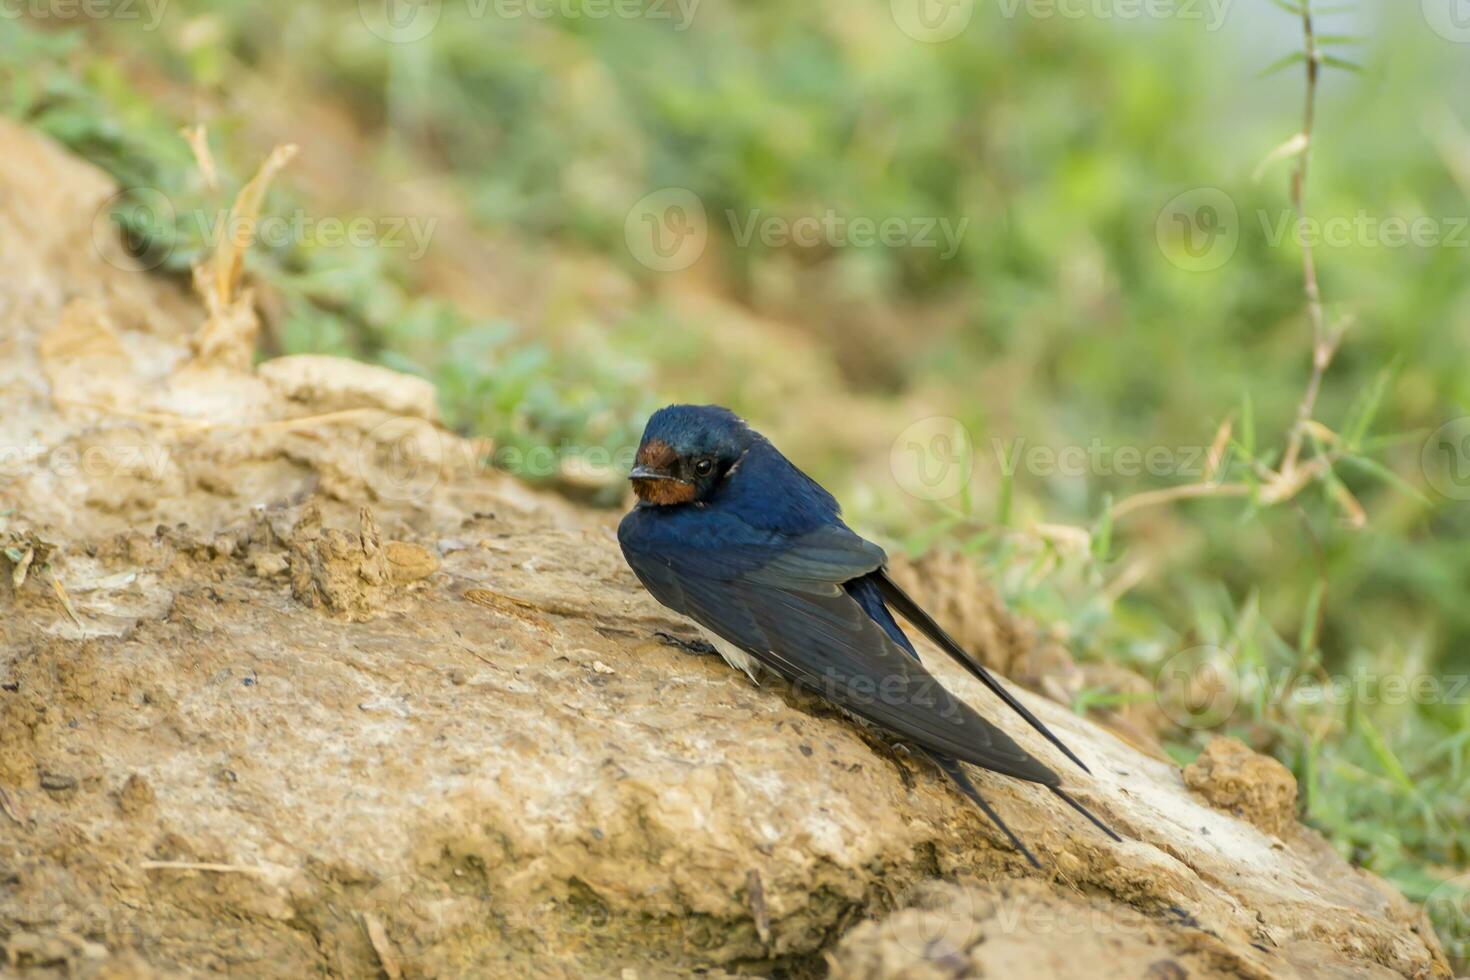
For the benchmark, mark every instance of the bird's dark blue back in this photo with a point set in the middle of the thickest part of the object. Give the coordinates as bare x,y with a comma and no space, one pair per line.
767,490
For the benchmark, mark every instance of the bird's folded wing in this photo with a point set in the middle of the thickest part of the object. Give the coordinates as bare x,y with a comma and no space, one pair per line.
781,599
901,603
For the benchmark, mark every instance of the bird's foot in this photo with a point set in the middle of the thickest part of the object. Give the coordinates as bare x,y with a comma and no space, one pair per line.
699,647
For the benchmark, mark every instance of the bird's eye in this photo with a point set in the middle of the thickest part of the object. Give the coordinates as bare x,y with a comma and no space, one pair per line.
704,466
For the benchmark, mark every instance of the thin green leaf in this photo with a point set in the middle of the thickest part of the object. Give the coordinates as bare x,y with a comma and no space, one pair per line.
1309,777
1384,756
1281,64
1102,535
1375,444
1306,641
1377,469
1333,61
1248,426
1007,494
1365,407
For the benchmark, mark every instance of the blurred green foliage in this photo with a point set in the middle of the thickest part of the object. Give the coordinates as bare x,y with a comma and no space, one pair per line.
1062,140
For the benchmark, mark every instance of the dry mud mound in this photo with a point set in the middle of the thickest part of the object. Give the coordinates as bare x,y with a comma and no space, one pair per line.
289,687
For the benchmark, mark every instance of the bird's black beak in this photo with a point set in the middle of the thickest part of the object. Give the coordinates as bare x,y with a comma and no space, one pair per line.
649,473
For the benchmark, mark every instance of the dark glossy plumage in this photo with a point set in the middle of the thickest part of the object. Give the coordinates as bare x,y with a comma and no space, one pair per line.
759,556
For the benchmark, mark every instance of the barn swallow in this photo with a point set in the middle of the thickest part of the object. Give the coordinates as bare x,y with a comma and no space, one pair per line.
728,532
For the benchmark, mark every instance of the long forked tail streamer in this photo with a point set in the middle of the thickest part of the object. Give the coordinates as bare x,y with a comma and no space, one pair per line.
951,768
1086,813
906,607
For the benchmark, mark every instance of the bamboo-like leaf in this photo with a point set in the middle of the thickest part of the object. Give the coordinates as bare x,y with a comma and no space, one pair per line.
1333,61
1281,64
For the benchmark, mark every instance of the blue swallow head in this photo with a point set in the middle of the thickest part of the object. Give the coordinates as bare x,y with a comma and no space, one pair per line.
686,451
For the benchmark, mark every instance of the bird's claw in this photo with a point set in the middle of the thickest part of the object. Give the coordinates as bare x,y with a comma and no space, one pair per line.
688,646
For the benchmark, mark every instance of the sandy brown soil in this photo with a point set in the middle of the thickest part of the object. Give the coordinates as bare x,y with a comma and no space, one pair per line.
288,687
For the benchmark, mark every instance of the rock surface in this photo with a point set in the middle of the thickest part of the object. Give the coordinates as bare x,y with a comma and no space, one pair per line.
286,696
1252,786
